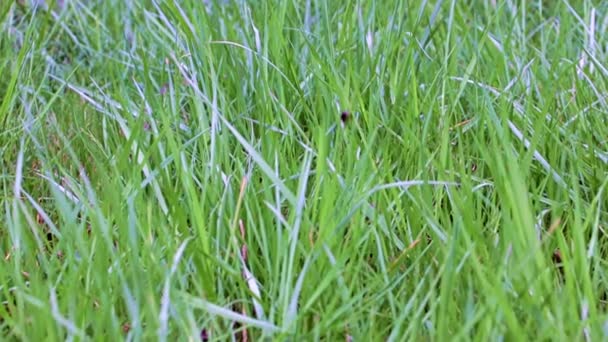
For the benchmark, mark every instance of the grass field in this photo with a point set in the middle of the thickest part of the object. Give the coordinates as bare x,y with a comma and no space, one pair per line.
304,170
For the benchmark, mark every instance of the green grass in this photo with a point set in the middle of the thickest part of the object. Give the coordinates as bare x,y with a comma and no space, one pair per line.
169,168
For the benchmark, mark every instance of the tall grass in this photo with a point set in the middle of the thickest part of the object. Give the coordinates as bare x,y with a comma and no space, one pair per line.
303,170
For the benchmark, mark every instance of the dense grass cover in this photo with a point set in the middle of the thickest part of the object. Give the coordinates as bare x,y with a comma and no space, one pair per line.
304,170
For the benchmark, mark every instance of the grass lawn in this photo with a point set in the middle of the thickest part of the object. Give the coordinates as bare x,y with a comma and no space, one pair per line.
390,170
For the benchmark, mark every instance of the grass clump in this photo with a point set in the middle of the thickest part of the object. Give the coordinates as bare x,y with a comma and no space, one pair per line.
390,170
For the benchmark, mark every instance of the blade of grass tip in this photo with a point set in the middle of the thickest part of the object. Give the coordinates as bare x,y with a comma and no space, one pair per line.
427,32
277,213
16,232
397,331
519,135
292,119
250,279
19,170
93,206
301,200
290,308
307,26
40,211
584,111
230,315
126,132
279,223
191,80
161,149
252,283
169,160
518,77
84,95
407,184
146,170
602,156
266,60
404,185
262,164
10,89
214,121
68,194
346,293
539,158
167,25
61,320
595,203
148,109
36,234
239,203
184,17
163,316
